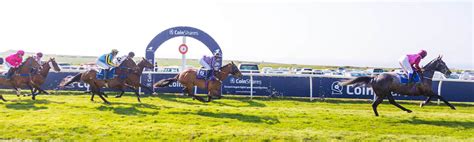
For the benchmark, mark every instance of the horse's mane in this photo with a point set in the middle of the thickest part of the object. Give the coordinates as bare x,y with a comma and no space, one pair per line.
429,64
24,62
126,59
228,64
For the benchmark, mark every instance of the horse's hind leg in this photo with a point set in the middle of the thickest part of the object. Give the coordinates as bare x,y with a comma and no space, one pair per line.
392,101
121,94
426,101
1,97
191,93
185,91
376,103
209,98
92,96
100,95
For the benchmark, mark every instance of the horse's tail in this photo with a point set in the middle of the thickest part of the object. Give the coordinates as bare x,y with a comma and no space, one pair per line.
165,82
68,80
359,80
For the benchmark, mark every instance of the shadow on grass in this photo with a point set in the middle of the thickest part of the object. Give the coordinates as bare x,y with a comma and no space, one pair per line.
29,104
125,110
139,105
237,116
250,103
173,98
444,123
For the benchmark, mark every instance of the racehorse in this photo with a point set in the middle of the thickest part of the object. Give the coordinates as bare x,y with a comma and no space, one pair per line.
126,68
133,80
386,83
188,79
22,76
41,76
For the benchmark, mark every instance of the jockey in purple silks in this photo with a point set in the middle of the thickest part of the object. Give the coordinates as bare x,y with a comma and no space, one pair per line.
212,63
410,64
38,58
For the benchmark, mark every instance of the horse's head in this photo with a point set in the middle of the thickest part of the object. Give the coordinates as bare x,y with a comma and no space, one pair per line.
232,69
438,65
145,63
53,62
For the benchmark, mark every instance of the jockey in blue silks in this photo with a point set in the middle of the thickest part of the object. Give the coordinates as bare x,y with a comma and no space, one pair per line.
106,62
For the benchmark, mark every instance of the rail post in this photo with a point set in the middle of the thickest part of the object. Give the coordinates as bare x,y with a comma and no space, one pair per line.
251,85
311,87
440,84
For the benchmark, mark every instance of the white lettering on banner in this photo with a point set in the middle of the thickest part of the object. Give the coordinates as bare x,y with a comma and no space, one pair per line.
353,90
244,81
183,32
149,49
78,85
175,84
244,87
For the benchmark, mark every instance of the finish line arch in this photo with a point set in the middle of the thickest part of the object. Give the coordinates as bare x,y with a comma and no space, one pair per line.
170,33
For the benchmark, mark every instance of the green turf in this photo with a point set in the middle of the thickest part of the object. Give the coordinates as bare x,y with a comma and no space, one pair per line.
70,116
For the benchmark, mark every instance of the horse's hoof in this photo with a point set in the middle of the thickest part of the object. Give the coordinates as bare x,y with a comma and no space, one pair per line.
118,96
108,103
453,108
421,104
409,111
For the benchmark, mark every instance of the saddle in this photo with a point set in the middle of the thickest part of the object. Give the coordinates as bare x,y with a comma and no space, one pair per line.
404,78
204,74
104,74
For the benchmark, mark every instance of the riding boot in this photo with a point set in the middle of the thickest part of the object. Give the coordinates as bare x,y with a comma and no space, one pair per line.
9,74
106,73
410,78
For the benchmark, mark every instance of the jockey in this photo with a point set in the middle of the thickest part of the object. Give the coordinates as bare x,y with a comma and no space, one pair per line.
105,62
212,63
410,63
119,60
38,57
12,62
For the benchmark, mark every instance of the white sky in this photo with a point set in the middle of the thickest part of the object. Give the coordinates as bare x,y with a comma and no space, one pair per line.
341,32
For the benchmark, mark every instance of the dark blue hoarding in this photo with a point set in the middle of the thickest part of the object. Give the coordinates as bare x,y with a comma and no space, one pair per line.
295,86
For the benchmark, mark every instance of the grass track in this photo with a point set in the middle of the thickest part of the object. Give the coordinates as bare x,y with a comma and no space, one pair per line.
168,117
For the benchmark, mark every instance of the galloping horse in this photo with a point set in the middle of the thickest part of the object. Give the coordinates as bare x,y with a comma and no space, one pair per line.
188,79
386,83
22,76
126,68
41,76
132,81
